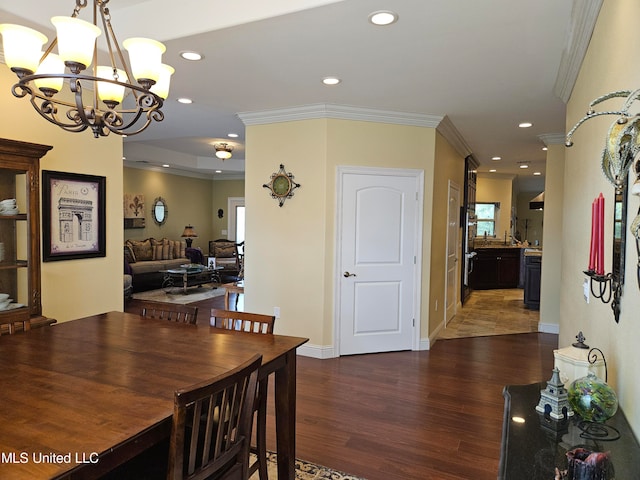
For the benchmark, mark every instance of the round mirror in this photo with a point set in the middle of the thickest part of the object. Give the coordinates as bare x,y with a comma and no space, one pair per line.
159,210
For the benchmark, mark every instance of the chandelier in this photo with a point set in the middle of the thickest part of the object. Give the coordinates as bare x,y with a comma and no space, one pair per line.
223,151
112,102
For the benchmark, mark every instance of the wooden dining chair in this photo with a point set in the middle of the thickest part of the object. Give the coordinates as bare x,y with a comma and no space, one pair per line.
261,324
11,326
211,429
169,311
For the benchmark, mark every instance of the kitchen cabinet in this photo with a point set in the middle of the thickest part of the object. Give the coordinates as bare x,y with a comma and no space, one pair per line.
20,232
532,274
496,268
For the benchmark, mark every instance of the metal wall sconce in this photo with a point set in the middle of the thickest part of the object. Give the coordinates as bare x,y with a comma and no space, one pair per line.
622,146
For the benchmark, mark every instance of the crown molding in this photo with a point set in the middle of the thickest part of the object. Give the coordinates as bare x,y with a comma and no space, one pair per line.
553,138
583,20
448,130
341,112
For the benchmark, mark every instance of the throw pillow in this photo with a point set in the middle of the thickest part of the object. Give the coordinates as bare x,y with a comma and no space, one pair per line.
224,250
128,254
142,250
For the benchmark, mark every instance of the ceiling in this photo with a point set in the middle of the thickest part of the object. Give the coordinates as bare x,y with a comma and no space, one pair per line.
486,65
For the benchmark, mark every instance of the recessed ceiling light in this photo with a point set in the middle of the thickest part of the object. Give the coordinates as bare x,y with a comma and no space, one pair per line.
331,80
191,56
492,170
524,166
383,17
525,125
537,173
218,171
496,158
185,100
166,165
232,135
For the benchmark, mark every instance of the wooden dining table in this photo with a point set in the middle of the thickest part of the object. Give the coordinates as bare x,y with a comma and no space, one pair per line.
81,397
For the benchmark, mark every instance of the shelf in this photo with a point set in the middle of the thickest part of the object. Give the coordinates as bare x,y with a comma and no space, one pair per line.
19,216
12,266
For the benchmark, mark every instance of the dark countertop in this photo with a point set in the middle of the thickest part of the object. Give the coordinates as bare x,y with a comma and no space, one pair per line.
532,449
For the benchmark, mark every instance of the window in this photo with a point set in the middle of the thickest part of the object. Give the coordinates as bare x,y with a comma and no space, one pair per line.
487,215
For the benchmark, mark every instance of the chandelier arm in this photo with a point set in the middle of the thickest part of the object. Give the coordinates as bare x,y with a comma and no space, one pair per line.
48,111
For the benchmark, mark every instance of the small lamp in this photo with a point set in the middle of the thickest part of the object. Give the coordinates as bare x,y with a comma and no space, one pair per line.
189,234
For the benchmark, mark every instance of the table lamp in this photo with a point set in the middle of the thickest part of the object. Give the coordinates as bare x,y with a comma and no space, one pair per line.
189,234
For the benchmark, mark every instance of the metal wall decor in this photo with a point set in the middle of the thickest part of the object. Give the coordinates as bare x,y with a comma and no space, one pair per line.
281,185
622,146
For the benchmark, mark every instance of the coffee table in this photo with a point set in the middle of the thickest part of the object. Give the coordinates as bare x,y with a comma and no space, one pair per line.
189,277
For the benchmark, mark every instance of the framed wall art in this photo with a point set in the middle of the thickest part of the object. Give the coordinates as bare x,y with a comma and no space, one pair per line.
73,216
133,211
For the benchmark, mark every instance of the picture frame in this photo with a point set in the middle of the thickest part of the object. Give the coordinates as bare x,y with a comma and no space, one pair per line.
211,263
73,216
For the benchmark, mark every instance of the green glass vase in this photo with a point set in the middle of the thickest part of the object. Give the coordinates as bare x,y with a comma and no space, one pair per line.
592,399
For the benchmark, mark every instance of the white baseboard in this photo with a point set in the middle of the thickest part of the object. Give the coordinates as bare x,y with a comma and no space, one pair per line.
316,351
549,328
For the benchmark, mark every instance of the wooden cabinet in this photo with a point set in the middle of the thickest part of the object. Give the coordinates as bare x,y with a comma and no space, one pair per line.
20,231
532,274
496,268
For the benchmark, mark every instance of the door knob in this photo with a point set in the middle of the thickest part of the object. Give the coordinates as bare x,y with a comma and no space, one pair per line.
347,274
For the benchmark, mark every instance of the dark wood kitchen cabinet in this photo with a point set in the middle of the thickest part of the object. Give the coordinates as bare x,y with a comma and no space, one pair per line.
532,274
496,268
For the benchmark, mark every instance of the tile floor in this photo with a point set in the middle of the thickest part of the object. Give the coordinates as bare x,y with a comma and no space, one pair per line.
492,312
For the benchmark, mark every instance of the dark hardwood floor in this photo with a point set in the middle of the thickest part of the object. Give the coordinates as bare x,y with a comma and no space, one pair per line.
433,414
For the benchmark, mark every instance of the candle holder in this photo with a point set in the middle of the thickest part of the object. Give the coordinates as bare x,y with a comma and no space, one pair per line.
608,290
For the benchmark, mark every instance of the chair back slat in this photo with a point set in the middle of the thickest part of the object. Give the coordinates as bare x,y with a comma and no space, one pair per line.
242,321
212,423
169,311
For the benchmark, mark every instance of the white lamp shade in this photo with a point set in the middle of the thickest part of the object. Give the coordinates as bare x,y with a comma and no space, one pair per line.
161,88
145,56
223,154
22,46
52,64
76,39
110,92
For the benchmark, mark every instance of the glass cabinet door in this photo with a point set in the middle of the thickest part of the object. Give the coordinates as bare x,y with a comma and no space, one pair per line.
14,241
20,231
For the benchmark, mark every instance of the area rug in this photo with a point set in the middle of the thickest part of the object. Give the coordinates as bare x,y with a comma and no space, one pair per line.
176,295
305,471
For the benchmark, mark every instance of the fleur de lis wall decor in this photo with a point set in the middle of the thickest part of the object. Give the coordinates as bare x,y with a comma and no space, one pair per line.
281,185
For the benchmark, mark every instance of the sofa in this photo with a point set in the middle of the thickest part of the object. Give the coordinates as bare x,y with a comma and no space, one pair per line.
144,260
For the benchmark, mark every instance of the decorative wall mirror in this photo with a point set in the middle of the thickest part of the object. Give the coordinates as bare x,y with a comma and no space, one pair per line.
159,210
619,243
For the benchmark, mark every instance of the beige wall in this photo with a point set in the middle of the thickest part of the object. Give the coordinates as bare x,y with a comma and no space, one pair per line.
73,288
293,264
608,66
552,240
449,165
190,200
496,189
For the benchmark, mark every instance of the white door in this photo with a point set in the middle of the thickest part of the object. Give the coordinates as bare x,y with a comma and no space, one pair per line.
379,224
453,218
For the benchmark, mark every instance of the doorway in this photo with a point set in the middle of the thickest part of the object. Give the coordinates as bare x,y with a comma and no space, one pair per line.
379,225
